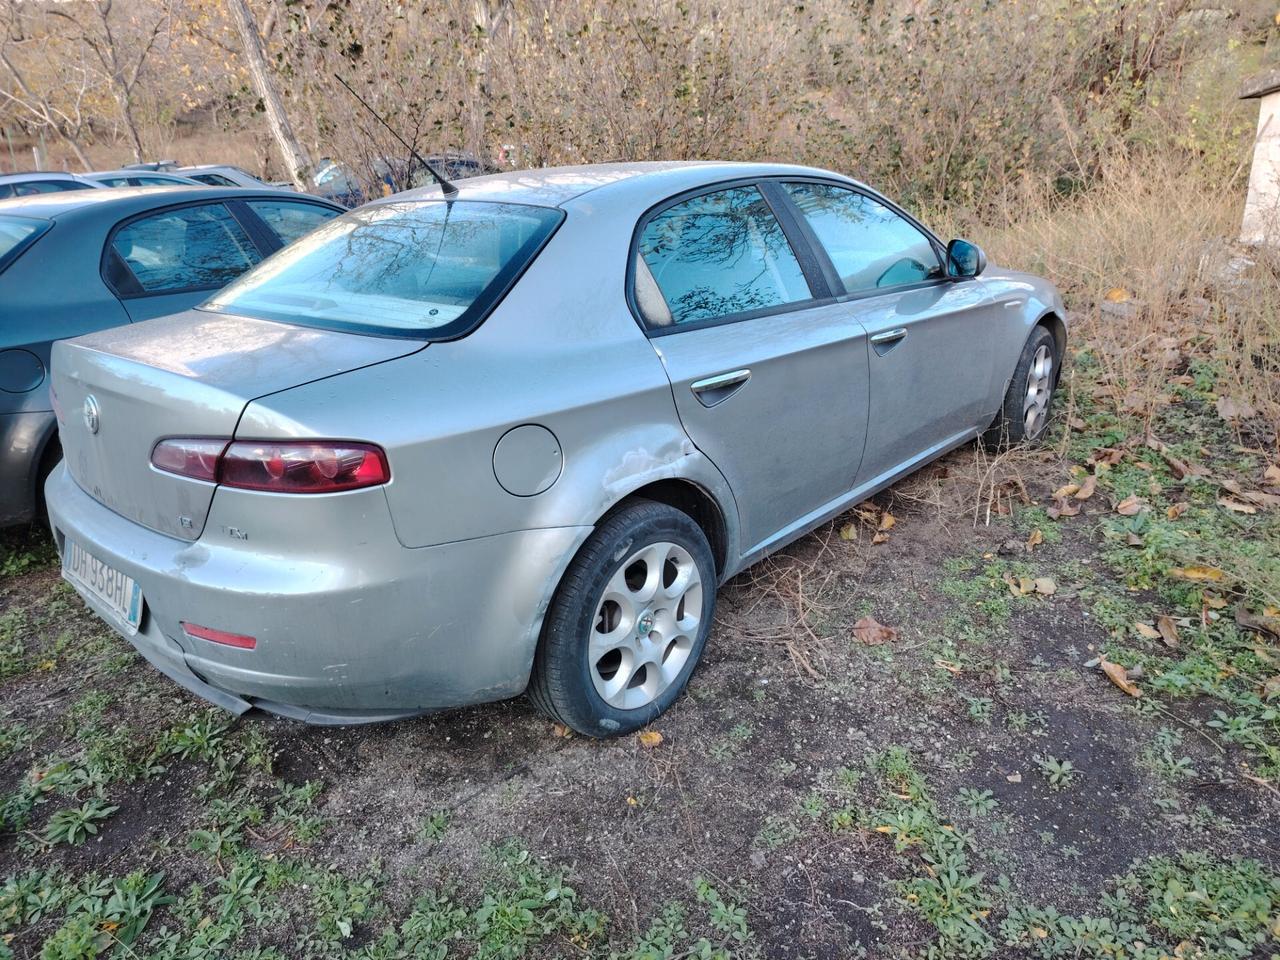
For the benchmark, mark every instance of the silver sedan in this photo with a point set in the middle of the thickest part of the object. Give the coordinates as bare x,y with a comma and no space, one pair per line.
455,446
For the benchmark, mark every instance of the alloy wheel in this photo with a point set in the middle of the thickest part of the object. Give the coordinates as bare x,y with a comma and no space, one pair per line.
645,625
1035,407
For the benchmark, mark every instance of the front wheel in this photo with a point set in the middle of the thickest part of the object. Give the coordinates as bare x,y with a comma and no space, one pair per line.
628,622
1024,417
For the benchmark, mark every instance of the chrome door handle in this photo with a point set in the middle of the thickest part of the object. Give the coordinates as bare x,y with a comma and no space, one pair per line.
885,341
890,336
713,390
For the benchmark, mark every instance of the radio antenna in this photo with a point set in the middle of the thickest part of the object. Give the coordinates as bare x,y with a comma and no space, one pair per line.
449,189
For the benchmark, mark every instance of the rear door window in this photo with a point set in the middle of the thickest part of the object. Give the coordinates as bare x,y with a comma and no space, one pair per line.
16,234
191,248
713,256
290,219
870,245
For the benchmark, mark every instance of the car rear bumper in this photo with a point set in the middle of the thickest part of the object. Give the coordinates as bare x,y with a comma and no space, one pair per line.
350,626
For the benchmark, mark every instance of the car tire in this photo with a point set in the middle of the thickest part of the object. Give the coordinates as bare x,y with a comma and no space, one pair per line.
1024,416
628,622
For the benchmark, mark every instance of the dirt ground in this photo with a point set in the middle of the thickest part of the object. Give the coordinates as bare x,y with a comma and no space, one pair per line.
812,795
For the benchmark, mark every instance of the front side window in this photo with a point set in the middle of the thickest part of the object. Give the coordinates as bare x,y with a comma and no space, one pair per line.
289,219
714,256
185,249
405,268
871,246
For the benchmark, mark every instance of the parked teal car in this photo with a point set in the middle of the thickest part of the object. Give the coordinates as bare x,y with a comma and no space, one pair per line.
77,261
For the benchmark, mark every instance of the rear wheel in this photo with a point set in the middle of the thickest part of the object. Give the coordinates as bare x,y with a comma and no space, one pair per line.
628,622
1024,417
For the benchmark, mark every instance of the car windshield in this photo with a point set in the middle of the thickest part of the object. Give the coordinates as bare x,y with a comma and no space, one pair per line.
403,268
16,233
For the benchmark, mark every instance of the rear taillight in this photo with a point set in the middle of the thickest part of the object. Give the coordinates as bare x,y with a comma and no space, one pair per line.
293,466
197,459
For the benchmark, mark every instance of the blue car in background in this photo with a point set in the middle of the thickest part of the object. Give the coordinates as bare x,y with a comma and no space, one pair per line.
82,260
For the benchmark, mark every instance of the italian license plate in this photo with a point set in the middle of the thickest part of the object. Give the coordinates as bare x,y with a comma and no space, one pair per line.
118,592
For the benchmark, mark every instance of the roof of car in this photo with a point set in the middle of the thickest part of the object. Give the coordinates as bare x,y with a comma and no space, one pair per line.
124,201
556,186
134,172
38,175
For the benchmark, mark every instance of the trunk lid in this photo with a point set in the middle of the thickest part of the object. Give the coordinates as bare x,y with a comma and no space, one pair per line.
119,391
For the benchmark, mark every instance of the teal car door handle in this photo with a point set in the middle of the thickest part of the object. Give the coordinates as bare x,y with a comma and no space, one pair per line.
886,341
717,389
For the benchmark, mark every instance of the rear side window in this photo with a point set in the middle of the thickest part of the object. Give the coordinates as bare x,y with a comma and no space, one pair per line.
870,245
190,248
407,268
156,182
714,256
30,188
16,234
213,179
114,181
289,219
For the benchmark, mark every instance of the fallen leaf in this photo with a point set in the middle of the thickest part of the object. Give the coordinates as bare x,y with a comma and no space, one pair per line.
1076,423
1271,688
1069,490
1134,540
872,632
1177,510
948,665
560,730
1236,506
1146,630
1117,675
1045,586
1257,623
1110,456
1087,488
1212,602
1198,573
649,738
849,531
1014,778
880,537
1130,506
1230,409
1272,476
632,802
1035,539
887,521
1168,631
1116,295
1062,507
1256,497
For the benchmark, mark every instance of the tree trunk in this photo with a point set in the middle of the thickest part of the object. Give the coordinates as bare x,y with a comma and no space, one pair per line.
295,158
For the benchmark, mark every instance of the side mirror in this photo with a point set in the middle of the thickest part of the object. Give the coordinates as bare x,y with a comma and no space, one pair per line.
965,259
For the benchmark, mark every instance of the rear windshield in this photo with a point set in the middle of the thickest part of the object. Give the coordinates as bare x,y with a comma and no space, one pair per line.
16,234
403,269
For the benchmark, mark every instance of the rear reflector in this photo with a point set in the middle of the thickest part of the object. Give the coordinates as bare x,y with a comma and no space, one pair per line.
291,466
219,636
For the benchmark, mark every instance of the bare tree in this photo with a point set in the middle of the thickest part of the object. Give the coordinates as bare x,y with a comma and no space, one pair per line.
34,106
295,157
122,63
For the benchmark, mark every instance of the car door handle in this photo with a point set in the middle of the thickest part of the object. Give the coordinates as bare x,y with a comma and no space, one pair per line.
717,389
885,341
